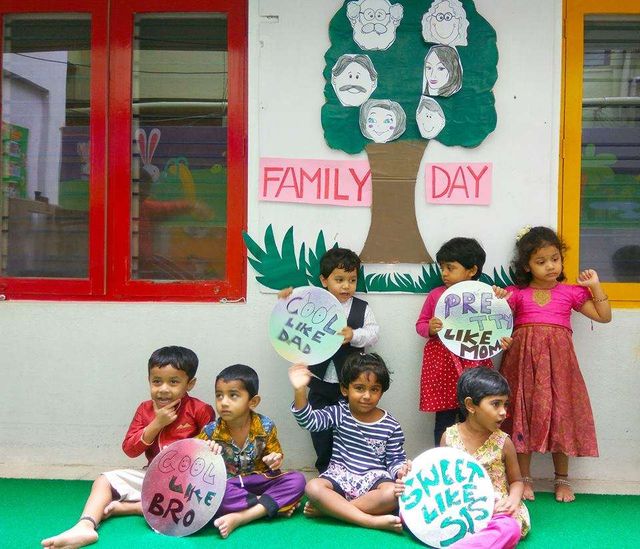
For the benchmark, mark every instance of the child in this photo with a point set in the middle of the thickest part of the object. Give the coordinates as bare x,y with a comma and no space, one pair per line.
252,454
170,415
483,396
339,269
551,410
459,259
368,455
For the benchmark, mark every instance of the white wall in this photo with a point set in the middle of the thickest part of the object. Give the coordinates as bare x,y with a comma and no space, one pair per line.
74,372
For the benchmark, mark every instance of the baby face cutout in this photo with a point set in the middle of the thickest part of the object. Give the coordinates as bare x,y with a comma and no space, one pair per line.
430,118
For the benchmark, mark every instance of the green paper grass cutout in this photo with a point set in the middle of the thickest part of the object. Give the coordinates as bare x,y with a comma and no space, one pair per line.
280,267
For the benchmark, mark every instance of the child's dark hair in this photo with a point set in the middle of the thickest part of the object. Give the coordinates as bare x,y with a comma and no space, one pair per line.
180,358
359,363
532,240
339,258
478,383
466,251
240,372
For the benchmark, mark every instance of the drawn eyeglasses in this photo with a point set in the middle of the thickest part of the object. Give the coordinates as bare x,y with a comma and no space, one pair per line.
443,16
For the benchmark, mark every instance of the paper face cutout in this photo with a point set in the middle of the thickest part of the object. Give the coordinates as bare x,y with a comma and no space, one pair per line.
382,120
430,117
374,23
354,79
442,71
445,23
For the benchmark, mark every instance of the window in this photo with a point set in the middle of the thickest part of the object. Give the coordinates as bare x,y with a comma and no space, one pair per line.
123,150
600,213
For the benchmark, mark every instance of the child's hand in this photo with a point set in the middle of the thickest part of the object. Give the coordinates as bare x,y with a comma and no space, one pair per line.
167,414
299,376
347,333
501,293
214,447
285,293
588,278
435,325
273,460
506,505
505,342
404,470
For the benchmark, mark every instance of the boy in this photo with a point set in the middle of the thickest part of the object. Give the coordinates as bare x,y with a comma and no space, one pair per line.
339,269
170,415
248,443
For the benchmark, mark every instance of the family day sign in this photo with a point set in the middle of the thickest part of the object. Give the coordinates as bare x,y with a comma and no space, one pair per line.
330,182
448,494
473,320
459,183
306,326
183,488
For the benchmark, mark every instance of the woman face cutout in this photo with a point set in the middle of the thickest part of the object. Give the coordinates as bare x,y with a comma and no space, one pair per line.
381,123
435,74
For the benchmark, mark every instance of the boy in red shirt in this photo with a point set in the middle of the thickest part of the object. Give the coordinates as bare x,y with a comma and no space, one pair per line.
170,415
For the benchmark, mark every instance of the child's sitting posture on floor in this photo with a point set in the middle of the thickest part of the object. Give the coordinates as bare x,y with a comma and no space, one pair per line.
248,442
170,415
363,481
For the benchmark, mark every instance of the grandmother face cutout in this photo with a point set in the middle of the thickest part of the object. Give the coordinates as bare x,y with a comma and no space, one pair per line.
374,23
354,79
445,23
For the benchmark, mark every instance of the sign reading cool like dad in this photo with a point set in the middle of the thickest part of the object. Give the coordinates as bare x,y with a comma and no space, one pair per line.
183,488
306,326
473,320
448,495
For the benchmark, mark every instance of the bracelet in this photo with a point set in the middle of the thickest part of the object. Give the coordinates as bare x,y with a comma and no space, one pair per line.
601,299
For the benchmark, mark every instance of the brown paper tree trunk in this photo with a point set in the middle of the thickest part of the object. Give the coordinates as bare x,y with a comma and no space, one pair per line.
393,235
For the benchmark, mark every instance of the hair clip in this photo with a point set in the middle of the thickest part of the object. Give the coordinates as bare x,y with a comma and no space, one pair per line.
522,232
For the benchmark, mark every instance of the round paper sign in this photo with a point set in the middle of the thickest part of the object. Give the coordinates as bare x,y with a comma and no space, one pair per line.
448,495
183,488
306,326
473,320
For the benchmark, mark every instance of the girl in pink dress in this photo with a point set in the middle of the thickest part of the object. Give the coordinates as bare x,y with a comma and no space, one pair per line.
459,259
550,405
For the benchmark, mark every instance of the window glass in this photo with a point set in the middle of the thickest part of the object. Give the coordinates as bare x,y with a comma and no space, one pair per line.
610,174
179,147
45,157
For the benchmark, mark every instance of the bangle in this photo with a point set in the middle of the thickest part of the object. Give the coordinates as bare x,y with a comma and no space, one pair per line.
600,299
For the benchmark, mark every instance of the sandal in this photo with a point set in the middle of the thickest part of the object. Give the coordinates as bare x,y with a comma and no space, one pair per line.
561,484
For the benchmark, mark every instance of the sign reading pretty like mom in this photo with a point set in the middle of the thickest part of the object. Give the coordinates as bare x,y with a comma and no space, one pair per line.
183,488
448,495
473,320
308,181
306,326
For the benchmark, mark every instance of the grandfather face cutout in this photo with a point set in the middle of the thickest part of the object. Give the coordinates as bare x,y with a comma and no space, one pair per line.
354,79
445,23
430,118
382,120
442,71
374,23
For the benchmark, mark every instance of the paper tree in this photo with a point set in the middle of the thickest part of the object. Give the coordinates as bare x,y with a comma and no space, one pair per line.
446,81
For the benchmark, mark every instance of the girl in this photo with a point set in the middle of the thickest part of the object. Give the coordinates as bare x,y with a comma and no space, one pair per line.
483,396
368,454
551,410
459,259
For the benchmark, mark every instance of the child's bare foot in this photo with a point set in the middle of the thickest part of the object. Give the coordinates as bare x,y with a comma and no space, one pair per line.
228,523
310,511
386,522
118,508
564,491
527,493
83,533
289,512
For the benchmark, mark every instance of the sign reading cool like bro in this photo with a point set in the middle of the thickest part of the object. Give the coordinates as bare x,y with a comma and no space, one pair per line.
183,488
473,320
448,495
306,326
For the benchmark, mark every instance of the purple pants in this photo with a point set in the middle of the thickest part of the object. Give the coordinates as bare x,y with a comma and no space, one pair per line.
502,532
276,491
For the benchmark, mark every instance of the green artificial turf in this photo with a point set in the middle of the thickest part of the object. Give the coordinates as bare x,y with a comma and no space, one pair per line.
34,509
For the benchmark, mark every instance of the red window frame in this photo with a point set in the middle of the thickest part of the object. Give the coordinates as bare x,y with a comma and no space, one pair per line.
110,180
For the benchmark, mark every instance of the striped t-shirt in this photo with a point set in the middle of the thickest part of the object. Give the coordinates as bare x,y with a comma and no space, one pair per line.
357,446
